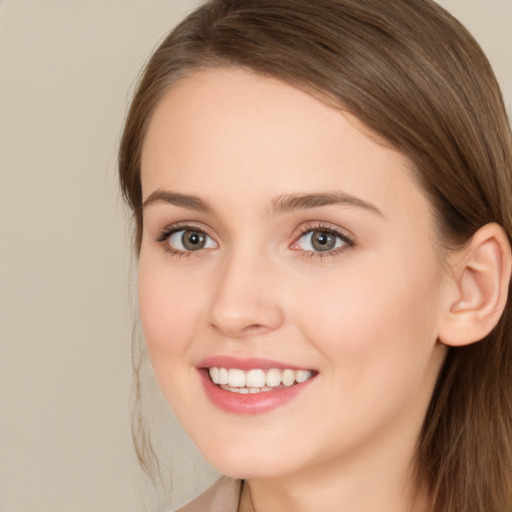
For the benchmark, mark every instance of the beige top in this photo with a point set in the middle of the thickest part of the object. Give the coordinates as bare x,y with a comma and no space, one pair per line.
223,496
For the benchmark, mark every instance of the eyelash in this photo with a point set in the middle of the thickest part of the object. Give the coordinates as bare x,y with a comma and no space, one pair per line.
348,242
163,237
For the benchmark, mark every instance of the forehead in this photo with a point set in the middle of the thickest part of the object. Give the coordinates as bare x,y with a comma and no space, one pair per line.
230,130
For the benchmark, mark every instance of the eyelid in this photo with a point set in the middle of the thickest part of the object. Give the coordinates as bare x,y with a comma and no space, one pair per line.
165,233
347,239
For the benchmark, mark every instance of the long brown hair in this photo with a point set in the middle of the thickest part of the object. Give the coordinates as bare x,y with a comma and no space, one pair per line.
416,77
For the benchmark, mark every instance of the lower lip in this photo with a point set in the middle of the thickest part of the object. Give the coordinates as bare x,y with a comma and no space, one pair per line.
250,403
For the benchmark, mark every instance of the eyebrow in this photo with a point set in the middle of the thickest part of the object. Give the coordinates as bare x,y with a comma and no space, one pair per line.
292,202
283,204
183,200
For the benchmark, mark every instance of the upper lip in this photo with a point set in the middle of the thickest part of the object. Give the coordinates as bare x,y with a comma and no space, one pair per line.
247,363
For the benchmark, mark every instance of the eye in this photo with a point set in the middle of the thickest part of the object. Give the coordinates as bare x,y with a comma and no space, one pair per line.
185,240
322,240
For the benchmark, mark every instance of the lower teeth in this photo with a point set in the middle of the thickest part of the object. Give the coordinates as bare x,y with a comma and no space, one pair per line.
245,390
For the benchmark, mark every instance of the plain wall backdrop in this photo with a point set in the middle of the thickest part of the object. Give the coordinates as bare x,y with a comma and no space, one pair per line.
67,69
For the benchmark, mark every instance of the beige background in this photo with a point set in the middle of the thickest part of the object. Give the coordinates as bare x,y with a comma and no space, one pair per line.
66,71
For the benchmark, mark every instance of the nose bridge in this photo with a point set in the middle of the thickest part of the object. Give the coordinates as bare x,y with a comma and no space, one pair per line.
245,300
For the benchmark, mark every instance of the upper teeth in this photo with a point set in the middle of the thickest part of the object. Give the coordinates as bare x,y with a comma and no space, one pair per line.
257,378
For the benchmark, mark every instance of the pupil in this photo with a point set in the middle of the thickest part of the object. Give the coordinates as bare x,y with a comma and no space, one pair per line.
192,240
323,241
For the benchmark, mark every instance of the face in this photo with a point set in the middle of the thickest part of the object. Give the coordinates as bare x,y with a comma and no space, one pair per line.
290,283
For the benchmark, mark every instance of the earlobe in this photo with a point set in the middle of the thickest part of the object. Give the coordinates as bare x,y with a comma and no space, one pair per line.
481,276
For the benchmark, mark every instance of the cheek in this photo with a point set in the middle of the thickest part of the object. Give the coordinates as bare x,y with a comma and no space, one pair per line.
168,309
169,312
383,318
377,335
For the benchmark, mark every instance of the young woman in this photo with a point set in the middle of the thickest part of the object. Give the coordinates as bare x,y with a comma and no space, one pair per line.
322,204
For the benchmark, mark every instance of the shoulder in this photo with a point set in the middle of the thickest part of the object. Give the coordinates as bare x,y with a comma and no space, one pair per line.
222,496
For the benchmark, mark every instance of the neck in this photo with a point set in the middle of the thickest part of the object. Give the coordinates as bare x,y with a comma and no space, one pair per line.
258,496
367,480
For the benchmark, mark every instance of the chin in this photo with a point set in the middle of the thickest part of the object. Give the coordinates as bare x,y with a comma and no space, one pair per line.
252,461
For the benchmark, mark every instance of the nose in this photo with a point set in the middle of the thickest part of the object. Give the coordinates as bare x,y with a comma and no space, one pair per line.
245,301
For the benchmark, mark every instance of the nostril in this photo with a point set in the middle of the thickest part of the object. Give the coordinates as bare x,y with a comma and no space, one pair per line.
254,329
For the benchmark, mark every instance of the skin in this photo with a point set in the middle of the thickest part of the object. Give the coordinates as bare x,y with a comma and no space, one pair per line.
366,317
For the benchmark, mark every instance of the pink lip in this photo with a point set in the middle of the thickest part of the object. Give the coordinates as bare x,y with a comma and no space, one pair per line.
251,403
246,364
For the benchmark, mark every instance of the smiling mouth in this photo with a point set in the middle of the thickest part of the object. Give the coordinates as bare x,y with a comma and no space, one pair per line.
257,380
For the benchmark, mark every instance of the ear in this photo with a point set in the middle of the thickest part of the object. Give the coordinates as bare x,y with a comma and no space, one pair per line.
478,287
